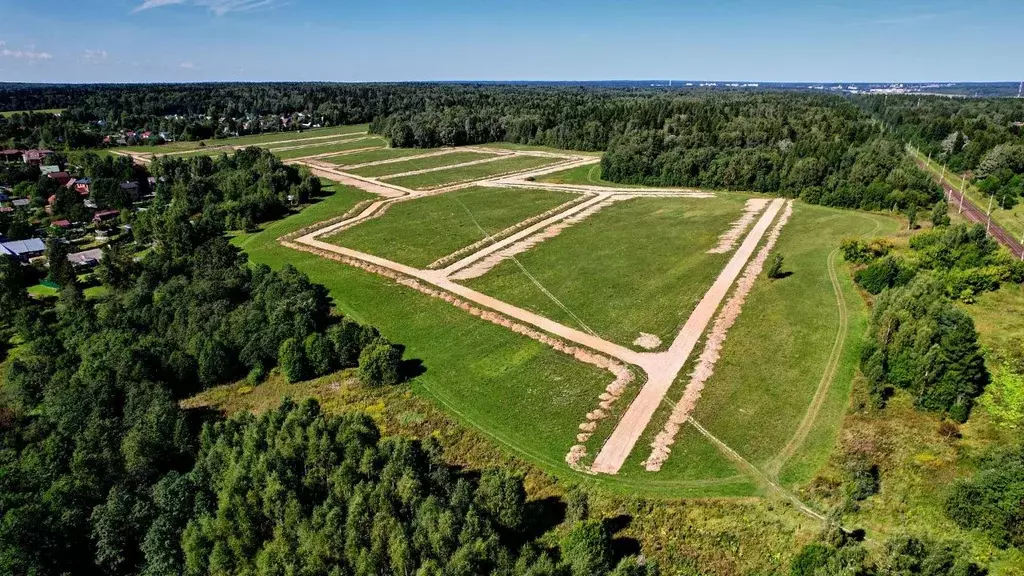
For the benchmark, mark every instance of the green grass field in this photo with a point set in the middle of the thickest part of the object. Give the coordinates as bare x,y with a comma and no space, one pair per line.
455,175
420,164
353,158
524,396
636,266
44,111
253,140
589,175
533,148
775,354
369,142
418,232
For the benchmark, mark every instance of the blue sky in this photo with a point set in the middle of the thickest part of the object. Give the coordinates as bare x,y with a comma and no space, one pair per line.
394,40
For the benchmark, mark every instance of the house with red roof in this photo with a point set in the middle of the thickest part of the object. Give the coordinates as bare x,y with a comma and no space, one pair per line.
62,177
104,215
11,155
36,157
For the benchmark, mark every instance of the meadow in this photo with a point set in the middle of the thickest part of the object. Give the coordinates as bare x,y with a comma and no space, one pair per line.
418,232
353,158
459,157
430,180
315,150
253,140
639,265
520,393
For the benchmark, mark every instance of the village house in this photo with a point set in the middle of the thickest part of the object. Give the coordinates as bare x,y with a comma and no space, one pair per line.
36,157
105,215
62,178
86,258
23,249
11,155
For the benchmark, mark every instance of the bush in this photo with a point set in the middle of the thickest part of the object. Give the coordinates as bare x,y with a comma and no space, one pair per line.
292,359
775,268
992,501
319,355
587,549
886,272
379,363
920,341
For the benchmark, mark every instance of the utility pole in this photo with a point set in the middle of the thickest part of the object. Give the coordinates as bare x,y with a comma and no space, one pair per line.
943,177
989,225
963,186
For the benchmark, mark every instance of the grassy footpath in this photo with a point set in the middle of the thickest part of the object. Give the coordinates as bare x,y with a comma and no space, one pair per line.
353,158
636,266
1011,220
468,173
420,164
420,231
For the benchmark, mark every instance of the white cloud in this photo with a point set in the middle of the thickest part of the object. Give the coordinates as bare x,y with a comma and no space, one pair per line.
94,56
25,54
188,65
218,7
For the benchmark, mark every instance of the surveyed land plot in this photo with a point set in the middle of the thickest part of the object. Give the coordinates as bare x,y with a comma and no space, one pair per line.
293,136
638,267
419,231
317,150
441,178
367,156
425,163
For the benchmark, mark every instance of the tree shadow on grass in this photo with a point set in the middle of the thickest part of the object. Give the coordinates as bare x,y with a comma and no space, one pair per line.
409,368
622,546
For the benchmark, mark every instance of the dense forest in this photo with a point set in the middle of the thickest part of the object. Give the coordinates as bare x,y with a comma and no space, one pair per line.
822,148
982,137
92,441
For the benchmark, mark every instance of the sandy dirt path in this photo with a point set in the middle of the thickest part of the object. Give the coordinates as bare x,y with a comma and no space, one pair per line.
668,364
368,185
661,448
518,236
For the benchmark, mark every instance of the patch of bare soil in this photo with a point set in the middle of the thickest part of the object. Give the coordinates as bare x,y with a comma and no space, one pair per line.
647,341
661,447
728,240
485,265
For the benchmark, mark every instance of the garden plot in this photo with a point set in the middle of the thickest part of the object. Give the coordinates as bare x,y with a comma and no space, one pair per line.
352,159
290,152
418,232
632,271
423,163
442,178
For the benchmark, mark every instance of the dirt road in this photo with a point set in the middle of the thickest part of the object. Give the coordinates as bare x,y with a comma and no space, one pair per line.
666,365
